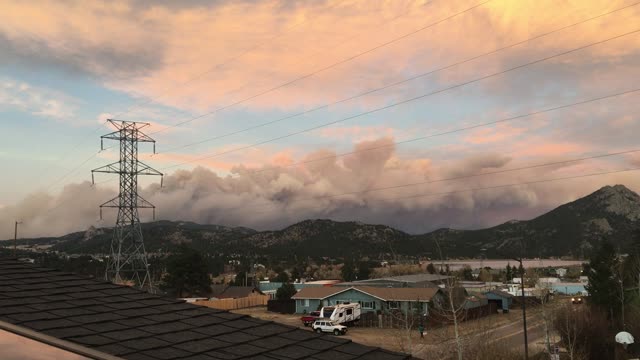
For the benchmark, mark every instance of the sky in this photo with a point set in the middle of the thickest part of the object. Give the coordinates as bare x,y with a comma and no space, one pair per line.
270,112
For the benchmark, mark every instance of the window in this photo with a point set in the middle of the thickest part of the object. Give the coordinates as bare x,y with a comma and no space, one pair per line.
306,302
349,311
393,305
368,304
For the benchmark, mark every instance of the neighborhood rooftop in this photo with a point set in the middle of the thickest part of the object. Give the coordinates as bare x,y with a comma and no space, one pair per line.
121,321
409,278
384,294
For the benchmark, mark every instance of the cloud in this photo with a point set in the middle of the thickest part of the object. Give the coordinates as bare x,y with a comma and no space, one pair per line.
153,47
332,188
39,101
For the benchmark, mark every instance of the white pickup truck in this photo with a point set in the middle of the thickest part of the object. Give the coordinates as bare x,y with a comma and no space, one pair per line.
324,325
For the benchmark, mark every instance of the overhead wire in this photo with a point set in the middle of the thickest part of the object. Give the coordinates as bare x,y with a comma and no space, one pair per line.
405,101
253,48
447,132
256,46
313,55
493,187
396,83
325,68
448,179
191,79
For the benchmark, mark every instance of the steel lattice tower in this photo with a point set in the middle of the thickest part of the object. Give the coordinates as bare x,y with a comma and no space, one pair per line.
128,259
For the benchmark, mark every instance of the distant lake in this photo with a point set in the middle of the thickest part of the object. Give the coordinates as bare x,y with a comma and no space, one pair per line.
501,264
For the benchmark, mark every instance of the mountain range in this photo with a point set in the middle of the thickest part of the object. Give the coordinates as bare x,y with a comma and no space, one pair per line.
572,229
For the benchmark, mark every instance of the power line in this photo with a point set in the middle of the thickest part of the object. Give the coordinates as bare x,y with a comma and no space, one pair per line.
407,100
449,132
219,65
75,169
273,72
368,92
150,99
454,178
315,72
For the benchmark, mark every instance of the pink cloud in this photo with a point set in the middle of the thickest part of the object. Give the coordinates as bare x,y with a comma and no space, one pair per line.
314,35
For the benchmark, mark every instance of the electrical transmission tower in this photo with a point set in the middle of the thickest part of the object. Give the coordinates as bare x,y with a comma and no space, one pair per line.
128,259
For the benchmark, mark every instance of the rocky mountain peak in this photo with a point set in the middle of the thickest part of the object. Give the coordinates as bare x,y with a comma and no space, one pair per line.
618,200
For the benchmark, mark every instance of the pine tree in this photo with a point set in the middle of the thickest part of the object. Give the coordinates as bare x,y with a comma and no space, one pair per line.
604,279
187,273
509,273
348,270
431,269
364,271
285,292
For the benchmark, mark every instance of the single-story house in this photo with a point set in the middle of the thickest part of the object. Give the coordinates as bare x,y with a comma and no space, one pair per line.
371,299
561,272
569,288
234,292
271,288
422,280
475,300
547,282
503,299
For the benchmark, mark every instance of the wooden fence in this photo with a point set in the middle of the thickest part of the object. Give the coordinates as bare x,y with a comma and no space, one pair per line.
233,304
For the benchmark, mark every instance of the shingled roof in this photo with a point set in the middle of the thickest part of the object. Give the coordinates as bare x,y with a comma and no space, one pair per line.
132,324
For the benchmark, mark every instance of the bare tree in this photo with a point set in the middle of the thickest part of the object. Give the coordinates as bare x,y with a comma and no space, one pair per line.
570,331
453,311
405,323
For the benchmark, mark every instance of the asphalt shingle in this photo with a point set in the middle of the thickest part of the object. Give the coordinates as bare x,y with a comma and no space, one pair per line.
135,325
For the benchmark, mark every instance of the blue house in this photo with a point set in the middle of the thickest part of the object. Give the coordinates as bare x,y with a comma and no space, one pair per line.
569,288
371,299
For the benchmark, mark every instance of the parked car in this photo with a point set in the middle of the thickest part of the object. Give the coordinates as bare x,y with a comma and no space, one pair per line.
309,319
328,326
576,300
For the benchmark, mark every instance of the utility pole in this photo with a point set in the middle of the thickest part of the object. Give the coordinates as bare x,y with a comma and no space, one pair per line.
524,309
15,239
128,258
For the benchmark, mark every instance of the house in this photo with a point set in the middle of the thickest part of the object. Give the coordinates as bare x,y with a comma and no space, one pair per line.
561,272
547,282
311,299
371,298
569,288
479,286
100,320
271,288
234,292
475,300
503,299
423,280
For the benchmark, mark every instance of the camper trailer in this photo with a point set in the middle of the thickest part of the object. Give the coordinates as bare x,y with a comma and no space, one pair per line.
342,313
